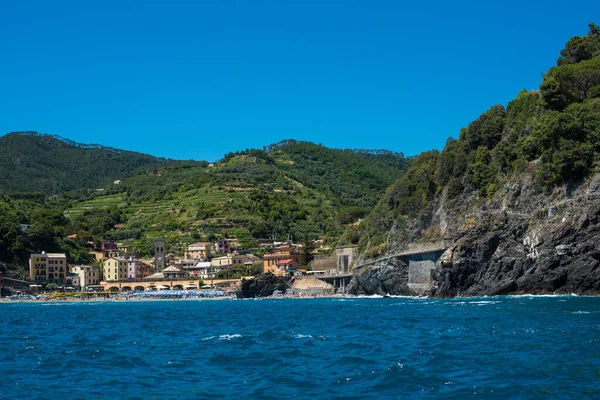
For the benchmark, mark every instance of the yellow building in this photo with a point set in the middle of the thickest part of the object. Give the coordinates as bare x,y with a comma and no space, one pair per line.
224,261
38,267
198,251
115,269
50,267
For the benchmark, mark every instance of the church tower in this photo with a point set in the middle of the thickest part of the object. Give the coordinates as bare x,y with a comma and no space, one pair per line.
159,255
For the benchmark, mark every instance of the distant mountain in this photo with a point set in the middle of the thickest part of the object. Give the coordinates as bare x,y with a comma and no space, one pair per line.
34,162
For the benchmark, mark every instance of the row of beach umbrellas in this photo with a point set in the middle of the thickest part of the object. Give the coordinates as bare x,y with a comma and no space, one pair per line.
172,294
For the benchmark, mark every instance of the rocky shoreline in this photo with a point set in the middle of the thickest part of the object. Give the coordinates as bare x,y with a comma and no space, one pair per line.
523,241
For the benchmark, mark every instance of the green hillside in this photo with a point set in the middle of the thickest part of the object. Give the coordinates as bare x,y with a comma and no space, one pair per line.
289,190
33,162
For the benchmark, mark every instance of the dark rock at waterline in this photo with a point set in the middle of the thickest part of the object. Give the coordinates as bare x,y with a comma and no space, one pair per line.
506,255
262,285
387,277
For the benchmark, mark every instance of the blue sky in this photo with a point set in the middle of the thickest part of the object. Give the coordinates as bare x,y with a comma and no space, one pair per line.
197,79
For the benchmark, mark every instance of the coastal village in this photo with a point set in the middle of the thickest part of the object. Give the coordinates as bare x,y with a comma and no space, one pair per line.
222,264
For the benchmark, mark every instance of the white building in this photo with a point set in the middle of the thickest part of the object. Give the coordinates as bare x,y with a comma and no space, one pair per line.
88,275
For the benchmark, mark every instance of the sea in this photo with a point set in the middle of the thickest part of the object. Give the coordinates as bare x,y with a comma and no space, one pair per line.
522,347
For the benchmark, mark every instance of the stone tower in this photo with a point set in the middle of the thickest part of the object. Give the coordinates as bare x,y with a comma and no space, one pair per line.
159,255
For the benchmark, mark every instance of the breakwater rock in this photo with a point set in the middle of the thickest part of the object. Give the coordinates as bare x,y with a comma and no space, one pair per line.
388,277
262,285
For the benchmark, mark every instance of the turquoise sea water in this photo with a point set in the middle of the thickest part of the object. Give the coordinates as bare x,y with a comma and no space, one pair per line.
499,347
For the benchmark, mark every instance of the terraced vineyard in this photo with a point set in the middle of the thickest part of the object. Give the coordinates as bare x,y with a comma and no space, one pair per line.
287,190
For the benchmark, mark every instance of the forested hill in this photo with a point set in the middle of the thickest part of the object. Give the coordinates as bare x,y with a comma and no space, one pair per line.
33,162
516,197
356,177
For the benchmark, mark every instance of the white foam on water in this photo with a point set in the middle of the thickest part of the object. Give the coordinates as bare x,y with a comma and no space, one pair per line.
229,337
301,336
481,303
581,312
544,295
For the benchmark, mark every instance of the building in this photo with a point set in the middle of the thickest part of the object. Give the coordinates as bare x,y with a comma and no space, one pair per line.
244,259
124,248
107,249
88,275
136,269
270,260
115,269
202,269
283,267
172,272
223,246
159,255
50,267
198,251
225,261
72,281
38,267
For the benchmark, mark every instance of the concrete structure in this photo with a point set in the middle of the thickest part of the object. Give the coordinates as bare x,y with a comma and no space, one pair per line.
115,269
198,251
419,269
340,261
88,275
50,267
421,259
345,258
175,284
311,286
325,264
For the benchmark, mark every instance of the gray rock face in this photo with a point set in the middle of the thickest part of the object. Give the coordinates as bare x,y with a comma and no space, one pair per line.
523,240
387,278
505,255
262,285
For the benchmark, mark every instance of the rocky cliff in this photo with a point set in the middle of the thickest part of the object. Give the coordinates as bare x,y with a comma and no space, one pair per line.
522,240
516,197
526,242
